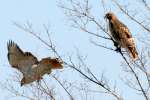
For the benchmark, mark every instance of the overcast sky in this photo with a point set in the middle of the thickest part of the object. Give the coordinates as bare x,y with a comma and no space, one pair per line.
67,39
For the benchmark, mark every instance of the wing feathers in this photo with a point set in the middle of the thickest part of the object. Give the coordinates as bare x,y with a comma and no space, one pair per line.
28,64
14,53
30,56
121,35
18,59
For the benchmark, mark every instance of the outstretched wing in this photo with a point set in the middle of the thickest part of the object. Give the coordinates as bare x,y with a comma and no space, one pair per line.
15,54
18,59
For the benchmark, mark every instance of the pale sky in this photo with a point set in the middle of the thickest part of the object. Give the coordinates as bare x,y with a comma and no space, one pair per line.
67,39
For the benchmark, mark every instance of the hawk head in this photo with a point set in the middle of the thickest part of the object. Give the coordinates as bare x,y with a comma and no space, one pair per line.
110,16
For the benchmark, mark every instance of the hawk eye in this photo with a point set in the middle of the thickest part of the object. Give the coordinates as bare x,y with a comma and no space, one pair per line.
109,16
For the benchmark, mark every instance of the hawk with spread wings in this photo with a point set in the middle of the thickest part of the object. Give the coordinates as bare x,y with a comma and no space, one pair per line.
121,35
28,64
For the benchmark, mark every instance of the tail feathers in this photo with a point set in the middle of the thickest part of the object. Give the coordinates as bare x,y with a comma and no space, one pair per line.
133,53
55,63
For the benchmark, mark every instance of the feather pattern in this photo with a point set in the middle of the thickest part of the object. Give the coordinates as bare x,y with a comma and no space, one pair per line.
28,64
121,35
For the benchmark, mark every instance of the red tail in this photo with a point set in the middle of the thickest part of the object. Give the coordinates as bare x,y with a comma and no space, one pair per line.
133,53
56,64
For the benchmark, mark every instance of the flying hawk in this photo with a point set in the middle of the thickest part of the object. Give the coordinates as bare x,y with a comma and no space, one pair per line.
28,64
121,35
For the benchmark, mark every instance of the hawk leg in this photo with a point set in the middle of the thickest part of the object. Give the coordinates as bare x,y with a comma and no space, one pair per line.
118,48
115,44
39,78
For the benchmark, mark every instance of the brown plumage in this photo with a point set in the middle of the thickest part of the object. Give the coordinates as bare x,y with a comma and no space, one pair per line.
28,64
121,35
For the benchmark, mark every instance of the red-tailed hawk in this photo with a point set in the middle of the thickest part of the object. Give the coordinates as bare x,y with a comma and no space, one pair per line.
28,64
121,35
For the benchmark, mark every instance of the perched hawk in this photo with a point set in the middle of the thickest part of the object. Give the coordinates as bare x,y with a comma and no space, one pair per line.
28,64
121,35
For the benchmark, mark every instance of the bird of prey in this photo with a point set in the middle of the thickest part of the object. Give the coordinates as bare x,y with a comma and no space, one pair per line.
28,64
121,35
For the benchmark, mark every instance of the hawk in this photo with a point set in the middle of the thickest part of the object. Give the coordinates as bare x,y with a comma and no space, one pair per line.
121,35
28,64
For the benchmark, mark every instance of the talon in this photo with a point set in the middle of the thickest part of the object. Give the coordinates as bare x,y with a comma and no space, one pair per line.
118,49
115,44
39,78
